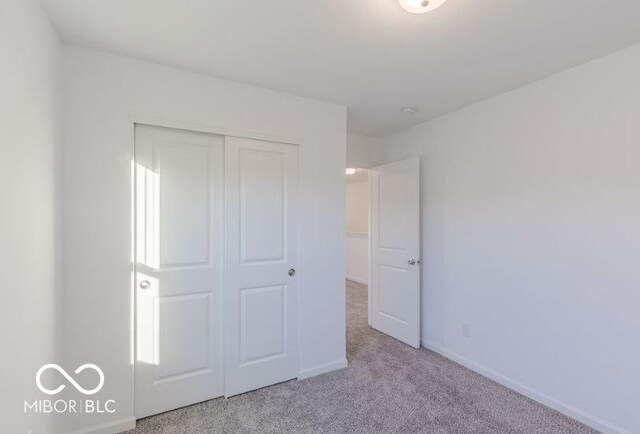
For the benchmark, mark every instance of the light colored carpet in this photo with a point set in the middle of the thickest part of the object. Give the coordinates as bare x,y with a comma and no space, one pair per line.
388,387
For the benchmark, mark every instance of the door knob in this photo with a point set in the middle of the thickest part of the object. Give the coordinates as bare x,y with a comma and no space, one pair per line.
292,271
412,262
145,284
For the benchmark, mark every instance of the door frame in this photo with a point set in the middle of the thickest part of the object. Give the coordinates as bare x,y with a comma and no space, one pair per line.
157,121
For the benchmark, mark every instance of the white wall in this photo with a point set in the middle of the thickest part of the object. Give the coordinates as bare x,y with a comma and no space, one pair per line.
357,227
29,132
357,216
100,93
531,234
362,150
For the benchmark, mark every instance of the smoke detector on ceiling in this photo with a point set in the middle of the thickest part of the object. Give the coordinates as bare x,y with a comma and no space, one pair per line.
420,6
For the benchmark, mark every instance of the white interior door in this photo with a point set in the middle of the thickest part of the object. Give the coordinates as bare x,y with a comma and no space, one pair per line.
178,283
261,254
395,250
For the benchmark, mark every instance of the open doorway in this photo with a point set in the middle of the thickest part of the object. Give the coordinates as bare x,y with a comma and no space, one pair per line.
357,226
357,245
383,248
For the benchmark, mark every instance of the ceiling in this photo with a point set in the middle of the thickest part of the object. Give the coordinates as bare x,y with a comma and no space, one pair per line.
369,55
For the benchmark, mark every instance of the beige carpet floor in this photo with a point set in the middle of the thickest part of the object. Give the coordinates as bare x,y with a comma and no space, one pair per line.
388,387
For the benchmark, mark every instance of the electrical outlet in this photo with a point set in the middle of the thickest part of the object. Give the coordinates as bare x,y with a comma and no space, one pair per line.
466,330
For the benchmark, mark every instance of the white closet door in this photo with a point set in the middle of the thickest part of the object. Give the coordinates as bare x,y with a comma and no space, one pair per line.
395,250
261,255
179,252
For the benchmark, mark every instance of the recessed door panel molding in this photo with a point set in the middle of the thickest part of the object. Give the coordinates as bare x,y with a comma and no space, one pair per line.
395,250
179,251
263,205
184,335
261,184
184,176
263,323
393,305
393,225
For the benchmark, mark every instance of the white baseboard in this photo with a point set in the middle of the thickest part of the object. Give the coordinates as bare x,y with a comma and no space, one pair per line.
355,279
322,369
114,427
548,401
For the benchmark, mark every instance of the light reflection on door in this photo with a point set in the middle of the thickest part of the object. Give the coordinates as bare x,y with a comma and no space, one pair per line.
147,208
148,217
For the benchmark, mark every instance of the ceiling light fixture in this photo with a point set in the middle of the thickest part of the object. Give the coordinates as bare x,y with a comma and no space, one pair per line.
408,110
350,170
420,6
